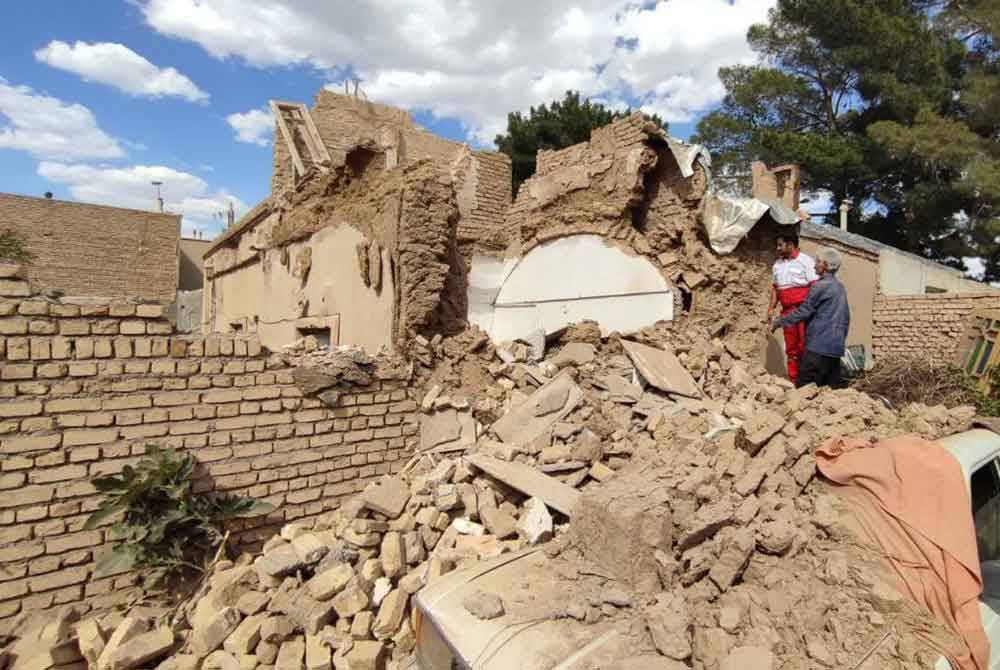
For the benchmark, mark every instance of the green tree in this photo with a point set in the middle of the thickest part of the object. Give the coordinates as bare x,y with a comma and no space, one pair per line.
560,124
892,103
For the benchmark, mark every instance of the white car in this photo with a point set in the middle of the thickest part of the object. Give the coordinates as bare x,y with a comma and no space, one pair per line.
449,638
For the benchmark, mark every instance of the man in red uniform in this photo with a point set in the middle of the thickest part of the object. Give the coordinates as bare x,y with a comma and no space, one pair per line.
794,273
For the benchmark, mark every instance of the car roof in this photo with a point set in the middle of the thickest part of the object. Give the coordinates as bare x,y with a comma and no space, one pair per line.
972,448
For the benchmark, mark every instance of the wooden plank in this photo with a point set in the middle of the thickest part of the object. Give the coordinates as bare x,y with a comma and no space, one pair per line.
662,369
278,110
316,146
529,480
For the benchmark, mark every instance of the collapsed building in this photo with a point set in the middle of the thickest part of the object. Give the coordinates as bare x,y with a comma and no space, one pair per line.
376,231
664,481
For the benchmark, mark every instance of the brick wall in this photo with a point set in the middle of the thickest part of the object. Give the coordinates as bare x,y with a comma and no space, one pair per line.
84,389
488,178
92,250
925,326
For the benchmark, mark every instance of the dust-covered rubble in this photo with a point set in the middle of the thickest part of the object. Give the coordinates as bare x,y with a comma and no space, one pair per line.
694,524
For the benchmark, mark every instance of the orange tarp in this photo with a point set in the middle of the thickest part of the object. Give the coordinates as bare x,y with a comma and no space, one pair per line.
910,498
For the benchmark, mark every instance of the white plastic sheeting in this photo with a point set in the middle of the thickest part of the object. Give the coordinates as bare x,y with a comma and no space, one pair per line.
686,156
727,220
565,281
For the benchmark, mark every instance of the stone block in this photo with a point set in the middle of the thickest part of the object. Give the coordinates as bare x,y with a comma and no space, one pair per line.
366,655
390,614
141,649
209,634
330,582
387,496
245,638
291,655
351,600
621,525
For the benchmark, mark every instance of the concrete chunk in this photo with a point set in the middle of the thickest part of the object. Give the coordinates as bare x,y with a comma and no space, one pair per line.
535,524
309,548
749,658
387,496
291,655
390,614
92,640
483,605
350,601
281,561
669,625
705,523
366,655
733,560
499,523
318,654
276,630
129,628
330,582
141,649
756,432
252,602
212,633
661,369
393,555
622,524
221,660
245,638
575,353
529,480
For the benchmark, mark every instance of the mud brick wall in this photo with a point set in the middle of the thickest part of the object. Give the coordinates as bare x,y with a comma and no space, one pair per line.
92,250
925,326
85,388
484,190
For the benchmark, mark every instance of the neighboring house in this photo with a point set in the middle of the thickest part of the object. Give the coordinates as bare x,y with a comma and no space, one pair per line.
192,263
85,250
902,305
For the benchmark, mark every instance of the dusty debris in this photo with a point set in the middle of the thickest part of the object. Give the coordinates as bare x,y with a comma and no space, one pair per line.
483,605
661,369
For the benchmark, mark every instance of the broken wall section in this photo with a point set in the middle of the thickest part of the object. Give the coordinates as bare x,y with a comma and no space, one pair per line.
364,135
85,387
929,327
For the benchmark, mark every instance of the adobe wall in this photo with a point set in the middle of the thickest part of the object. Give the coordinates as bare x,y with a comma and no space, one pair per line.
85,387
378,251
93,250
192,264
928,327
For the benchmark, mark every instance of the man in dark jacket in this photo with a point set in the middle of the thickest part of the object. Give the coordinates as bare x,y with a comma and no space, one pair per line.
827,318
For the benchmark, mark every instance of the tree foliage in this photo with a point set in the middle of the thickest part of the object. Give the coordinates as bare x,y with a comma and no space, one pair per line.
162,527
892,103
13,248
559,124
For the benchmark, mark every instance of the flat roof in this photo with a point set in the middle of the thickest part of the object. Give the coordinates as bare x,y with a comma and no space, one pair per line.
76,203
834,233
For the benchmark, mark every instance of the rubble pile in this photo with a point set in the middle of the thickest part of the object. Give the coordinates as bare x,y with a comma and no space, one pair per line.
672,488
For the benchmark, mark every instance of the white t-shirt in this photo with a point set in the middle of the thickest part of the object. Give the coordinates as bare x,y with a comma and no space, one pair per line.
795,272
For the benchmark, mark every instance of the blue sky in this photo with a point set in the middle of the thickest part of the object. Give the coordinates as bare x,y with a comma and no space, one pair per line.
98,99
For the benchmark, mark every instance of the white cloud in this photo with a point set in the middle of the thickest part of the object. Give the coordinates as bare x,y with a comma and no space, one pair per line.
117,65
183,193
47,127
253,127
476,61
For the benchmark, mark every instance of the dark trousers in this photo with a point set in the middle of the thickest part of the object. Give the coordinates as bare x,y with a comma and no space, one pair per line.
820,370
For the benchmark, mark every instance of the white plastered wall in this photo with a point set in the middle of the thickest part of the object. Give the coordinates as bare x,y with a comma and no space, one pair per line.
566,281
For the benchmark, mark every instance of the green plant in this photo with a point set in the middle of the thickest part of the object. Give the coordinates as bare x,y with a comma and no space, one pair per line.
162,527
13,248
